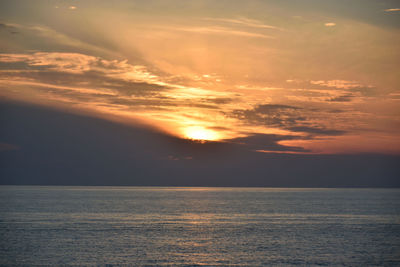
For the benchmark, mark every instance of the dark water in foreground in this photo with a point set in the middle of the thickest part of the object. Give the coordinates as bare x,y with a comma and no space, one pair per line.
199,226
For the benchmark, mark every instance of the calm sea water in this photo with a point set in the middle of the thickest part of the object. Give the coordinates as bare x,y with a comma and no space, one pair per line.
199,226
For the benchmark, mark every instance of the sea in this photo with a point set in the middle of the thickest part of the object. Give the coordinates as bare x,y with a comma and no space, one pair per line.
198,226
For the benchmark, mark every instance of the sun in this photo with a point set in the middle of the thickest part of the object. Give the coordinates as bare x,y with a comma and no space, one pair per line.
199,133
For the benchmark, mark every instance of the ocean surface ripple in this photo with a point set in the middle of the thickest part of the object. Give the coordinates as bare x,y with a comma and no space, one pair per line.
158,226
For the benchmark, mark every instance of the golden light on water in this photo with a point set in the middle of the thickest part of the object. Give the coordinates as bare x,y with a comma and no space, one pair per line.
199,133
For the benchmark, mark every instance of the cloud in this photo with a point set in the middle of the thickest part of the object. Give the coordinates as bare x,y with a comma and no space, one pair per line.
267,108
270,115
342,98
38,37
340,84
330,24
81,79
124,89
9,28
316,131
290,118
268,143
334,91
109,87
76,63
394,96
218,100
220,31
392,10
244,22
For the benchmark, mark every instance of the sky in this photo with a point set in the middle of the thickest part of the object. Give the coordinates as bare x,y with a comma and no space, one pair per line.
325,73
277,77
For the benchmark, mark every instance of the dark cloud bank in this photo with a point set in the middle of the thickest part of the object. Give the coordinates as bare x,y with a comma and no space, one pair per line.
51,147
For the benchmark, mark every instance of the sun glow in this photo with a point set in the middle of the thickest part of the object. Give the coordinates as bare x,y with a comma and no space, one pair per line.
198,133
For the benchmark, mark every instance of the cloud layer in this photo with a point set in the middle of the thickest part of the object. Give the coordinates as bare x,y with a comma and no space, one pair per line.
306,83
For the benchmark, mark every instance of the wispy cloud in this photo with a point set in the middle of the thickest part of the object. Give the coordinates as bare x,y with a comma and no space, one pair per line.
37,37
330,24
7,27
392,10
244,22
394,95
269,143
77,63
220,30
340,84
342,98
291,118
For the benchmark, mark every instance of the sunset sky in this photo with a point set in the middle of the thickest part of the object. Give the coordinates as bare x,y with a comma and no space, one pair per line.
322,77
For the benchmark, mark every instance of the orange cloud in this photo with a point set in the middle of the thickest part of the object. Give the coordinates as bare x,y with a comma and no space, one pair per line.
392,9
